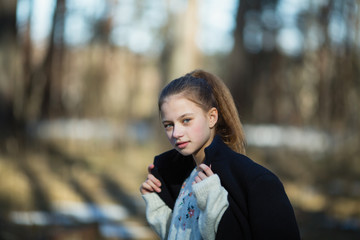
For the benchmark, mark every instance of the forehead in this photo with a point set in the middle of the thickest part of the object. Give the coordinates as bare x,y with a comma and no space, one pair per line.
177,105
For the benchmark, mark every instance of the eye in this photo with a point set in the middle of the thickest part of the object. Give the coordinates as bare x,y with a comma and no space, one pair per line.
186,120
168,125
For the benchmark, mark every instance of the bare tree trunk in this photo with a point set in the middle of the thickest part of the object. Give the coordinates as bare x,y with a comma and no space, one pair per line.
8,30
8,63
185,55
52,66
242,73
27,66
43,84
169,45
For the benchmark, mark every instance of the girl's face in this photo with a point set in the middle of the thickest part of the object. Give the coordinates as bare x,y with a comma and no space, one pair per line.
188,127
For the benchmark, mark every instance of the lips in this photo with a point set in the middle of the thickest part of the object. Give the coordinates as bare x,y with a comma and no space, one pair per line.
182,145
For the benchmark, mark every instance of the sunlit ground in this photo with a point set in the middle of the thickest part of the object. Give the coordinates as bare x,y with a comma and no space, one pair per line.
90,190
55,177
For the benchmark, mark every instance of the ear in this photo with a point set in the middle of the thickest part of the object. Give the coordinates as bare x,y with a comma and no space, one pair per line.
213,117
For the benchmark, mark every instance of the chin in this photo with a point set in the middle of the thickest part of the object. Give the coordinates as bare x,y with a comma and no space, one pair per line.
183,152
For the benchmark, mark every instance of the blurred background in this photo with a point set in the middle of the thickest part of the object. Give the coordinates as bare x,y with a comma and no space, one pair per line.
79,81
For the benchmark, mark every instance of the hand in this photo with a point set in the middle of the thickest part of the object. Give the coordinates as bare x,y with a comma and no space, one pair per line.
204,172
151,184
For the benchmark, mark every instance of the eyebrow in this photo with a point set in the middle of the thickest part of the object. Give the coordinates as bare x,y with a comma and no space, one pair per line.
182,116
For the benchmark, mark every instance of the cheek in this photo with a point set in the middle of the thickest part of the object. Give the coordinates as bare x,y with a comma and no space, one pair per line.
168,134
200,129
170,138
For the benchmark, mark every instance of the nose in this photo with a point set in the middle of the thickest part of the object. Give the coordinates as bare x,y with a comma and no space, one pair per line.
177,132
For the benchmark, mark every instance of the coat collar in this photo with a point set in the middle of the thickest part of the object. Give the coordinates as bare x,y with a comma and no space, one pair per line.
215,150
213,153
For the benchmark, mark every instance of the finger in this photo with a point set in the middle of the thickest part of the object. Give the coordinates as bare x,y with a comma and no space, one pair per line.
207,170
146,188
150,167
153,185
202,175
197,179
154,180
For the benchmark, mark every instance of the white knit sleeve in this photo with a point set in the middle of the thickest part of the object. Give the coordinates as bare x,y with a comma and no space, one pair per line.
158,214
212,202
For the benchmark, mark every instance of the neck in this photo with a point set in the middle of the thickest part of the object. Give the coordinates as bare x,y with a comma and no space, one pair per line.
199,157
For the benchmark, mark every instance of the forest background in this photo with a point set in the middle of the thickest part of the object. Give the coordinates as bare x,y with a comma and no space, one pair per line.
79,82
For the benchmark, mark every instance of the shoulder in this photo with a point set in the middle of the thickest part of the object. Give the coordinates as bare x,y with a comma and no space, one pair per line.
234,166
242,166
223,157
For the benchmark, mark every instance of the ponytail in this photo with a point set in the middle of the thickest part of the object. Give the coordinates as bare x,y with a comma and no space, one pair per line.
208,90
229,126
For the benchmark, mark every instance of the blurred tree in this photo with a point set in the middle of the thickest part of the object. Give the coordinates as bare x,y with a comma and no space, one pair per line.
253,68
186,54
42,85
8,53
315,86
181,53
8,30
40,81
338,65
52,66
103,25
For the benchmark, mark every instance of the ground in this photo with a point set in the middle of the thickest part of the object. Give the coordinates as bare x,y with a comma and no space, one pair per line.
39,178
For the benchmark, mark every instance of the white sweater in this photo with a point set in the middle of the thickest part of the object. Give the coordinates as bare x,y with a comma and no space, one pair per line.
197,211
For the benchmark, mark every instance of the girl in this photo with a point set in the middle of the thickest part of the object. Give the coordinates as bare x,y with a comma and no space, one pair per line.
206,188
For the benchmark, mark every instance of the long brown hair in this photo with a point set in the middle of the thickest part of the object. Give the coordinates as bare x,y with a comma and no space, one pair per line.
208,90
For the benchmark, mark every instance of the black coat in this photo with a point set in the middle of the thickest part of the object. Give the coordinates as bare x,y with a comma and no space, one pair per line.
258,205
